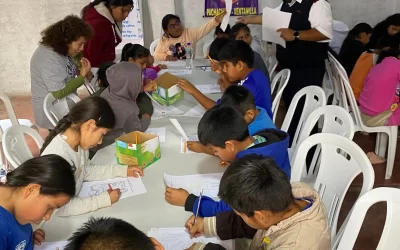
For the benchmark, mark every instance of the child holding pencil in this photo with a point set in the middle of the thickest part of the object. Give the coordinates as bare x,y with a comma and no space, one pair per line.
84,128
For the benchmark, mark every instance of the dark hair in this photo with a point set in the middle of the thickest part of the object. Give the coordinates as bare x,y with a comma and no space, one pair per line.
238,97
135,51
237,27
352,35
388,53
93,107
255,183
217,45
165,22
58,35
221,124
108,3
52,172
101,74
387,42
109,233
390,20
236,51
218,30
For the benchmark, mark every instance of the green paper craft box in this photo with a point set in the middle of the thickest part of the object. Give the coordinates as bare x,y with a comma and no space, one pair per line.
142,153
167,91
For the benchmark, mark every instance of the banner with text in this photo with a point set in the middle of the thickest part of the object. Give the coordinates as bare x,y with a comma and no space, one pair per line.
239,7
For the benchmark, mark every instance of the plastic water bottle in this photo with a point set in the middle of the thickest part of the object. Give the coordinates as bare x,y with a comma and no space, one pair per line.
189,56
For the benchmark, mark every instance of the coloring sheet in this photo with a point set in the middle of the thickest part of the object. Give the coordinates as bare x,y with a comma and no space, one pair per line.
196,111
194,183
225,20
164,111
184,148
269,29
179,239
209,88
129,187
160,132
176,72
56,245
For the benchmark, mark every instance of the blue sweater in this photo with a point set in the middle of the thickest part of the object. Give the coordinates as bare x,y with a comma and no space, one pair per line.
262,122
276,147
12,234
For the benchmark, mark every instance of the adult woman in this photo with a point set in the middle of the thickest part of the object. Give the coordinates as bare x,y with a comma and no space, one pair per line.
105,17
389,27
52,67
175,36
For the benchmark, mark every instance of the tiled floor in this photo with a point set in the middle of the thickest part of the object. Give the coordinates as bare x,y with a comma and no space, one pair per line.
373,224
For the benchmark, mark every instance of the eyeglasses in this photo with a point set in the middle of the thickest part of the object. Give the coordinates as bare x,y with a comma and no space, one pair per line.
175,25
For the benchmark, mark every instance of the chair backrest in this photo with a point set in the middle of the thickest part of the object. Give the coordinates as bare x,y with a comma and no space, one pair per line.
315,98
56,109
153,46
389,238
9,108
333,79
342,160
206,48
283,78
15,147
92,86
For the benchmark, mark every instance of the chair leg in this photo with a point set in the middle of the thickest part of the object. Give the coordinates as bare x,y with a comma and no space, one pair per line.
391,151
381,144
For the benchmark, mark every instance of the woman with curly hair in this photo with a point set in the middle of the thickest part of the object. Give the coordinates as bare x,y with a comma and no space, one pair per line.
105,17
52,65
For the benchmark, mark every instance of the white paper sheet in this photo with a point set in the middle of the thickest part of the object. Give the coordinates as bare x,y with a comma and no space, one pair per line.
272,20
165,111
160,132
196,111
194,183
179,63
178,127
184,149
179,239
209,88
225,20
176,72
56,245
129,187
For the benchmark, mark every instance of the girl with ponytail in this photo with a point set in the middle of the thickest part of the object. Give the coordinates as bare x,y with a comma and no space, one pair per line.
105,17
82,129
354,45
30,194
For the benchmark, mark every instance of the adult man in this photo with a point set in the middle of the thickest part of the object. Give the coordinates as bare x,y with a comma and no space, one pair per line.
307,41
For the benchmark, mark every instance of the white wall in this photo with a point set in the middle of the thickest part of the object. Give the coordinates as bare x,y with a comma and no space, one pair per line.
22,20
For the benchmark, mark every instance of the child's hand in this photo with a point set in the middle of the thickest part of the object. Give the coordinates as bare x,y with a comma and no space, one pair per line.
162,66
224,164
186,86
223,82
85,67
134,171
151,86
38,237
196,229
89,76
171,58
216,66
114,195
176,197
195,146
219,18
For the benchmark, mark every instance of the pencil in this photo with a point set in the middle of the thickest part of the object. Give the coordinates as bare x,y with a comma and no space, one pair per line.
109,186
198,207
136,137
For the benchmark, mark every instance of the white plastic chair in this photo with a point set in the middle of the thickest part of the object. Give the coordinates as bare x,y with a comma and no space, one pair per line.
206,48
342,161
314,98
153,46
92,86
15,147
56,109
390,235
283,78
386,139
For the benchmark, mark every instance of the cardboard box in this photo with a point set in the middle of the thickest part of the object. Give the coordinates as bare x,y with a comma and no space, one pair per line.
137,148
167,91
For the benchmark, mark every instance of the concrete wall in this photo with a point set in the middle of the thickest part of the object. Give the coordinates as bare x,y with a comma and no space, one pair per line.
22,20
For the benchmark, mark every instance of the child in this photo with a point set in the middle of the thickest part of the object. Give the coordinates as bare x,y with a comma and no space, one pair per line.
381,88
84,128
31,194
267,209
225,131
241,99
354,45
237,60
110,233
366,61
390,27
219,33
241,31
102,78
139,55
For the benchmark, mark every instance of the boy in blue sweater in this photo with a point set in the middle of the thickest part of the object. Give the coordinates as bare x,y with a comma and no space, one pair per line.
225,131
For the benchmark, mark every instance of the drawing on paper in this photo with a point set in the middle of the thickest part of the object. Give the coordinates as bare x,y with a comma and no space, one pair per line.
98,189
